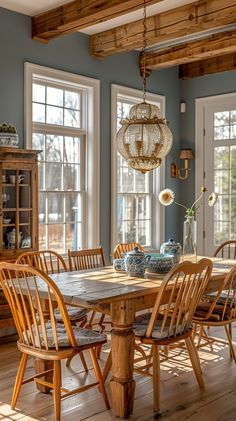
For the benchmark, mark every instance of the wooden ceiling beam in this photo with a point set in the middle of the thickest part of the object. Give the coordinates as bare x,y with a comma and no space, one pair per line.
79,14
193,18
213,46
208,66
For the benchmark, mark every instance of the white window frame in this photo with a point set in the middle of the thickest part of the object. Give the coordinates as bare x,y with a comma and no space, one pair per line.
158,227
90,126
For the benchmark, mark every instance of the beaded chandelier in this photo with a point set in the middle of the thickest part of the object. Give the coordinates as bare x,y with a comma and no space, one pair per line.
144,138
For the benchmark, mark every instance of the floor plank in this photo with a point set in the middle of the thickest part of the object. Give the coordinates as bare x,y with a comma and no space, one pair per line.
181,398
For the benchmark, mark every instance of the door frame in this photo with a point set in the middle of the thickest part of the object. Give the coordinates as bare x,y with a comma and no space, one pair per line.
202,105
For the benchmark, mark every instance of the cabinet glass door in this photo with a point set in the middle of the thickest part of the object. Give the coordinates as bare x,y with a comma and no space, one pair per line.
16,208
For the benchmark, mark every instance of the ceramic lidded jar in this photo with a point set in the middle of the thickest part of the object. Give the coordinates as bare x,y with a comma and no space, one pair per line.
136,262
171,247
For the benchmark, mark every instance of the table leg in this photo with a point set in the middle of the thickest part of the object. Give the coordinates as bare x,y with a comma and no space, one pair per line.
122,383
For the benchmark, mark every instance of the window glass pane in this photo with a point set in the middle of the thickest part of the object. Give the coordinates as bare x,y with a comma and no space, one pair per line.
54,148
54,176
73,236
233,117
72,100
38,93
71,149
233,131
221,118
71,118
221,208
54,115
38,113
41,175
222,182
42,208
42,237
55,96
221,157
56,237
55,207
71,179
38,143
222,231
73,208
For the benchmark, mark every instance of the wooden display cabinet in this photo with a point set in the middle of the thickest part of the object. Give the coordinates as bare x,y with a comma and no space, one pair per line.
18,202
18,210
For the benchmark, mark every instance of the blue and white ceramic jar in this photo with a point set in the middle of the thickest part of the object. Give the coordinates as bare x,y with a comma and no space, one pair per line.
171,247
136,262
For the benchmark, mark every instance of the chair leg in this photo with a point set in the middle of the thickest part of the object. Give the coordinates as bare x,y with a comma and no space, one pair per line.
231,347
99,377
193,355
57,389
107,367
156,377
83,361
19,379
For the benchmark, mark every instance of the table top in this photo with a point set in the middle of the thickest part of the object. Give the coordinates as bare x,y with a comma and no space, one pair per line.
102,286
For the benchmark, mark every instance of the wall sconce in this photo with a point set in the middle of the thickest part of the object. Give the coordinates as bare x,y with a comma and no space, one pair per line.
186,155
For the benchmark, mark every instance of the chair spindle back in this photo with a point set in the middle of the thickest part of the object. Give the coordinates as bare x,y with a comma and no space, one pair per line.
20,284
86,259
183,286
122,248
46,260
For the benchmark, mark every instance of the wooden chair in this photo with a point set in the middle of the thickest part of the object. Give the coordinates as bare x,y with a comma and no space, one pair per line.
46,340
172,322
88,259
226,250
50,262
218,309
122,248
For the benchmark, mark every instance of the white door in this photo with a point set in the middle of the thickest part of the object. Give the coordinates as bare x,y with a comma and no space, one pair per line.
216,169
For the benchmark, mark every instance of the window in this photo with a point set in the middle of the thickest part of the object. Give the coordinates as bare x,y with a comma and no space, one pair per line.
61,123
136,214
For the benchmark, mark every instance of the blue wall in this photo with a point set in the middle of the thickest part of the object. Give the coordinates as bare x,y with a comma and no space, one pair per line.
71,53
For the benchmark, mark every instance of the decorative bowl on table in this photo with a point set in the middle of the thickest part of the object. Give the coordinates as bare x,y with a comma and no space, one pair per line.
119,264
160,263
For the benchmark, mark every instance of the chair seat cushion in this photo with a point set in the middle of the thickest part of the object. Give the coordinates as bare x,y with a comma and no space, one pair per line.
220,311
74,313
141,323
82,336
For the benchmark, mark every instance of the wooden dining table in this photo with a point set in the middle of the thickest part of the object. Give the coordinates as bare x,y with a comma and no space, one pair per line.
120,296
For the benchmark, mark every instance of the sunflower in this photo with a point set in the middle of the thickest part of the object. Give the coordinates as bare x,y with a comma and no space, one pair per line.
166,197
212,199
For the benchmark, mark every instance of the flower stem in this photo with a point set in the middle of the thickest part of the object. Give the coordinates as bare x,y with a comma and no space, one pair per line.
179,204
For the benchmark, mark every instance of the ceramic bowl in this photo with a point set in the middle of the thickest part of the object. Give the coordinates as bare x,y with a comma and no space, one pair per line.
6,221
119,264
160,263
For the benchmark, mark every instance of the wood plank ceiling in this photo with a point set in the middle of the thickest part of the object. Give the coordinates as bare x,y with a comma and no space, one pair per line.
200,36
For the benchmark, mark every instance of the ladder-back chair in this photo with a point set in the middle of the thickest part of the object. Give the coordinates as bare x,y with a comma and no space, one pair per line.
45,338
226,250
123,248
171,319
218,309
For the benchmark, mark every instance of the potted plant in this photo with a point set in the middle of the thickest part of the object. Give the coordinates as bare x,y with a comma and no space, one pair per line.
8,135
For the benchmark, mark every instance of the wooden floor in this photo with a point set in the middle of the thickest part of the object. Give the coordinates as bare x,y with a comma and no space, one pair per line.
181,398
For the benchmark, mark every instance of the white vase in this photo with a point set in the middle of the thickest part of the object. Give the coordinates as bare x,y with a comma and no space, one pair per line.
190,236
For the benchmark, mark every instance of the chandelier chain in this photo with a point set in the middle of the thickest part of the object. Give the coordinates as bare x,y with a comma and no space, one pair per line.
144,50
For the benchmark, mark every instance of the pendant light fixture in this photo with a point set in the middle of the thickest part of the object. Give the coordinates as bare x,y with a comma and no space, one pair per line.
144,138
